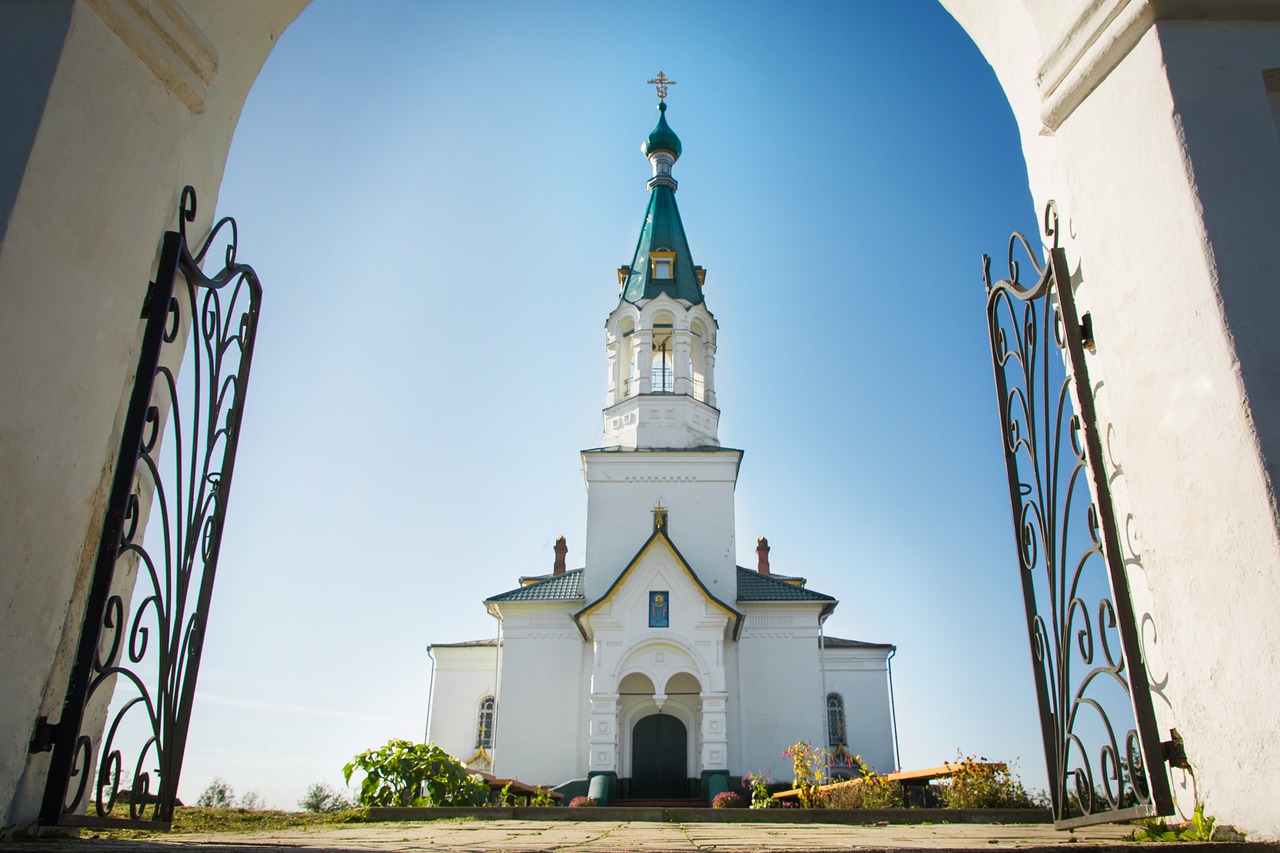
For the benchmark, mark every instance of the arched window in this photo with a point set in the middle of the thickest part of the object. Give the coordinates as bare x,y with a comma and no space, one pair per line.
484,724
835,721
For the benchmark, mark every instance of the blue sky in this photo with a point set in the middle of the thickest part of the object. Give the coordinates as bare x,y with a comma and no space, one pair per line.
437,197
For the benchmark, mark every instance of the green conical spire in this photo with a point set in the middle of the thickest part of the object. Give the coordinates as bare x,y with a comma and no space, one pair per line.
662,232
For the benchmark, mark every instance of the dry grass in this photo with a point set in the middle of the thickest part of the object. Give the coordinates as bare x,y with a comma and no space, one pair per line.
202,821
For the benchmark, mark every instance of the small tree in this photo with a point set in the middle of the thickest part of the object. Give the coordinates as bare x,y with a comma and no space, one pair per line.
406,774
323,798
252,800
219,795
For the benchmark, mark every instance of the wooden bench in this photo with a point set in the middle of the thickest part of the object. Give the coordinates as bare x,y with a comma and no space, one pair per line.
908,778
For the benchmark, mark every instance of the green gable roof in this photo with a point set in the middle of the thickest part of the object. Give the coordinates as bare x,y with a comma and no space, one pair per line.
753,586
565,587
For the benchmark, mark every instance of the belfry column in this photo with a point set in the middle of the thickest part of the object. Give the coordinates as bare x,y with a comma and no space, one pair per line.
612,348
684,382
715,742
643,342
602,742
709,373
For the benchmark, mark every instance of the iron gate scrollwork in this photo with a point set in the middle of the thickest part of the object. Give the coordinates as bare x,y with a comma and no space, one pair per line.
139,650
1102,750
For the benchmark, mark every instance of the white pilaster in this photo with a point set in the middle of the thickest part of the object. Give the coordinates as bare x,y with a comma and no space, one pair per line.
683,381
715,734
642,340
709,373
603,738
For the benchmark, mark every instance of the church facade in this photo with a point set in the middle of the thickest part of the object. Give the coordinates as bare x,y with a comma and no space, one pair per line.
660,669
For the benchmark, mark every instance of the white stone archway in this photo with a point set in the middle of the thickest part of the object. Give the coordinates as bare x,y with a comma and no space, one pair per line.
1150,123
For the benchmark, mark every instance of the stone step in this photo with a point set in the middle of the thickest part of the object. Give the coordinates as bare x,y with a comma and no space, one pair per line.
668,803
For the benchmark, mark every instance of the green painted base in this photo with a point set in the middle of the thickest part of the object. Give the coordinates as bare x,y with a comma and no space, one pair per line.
602,786
714,782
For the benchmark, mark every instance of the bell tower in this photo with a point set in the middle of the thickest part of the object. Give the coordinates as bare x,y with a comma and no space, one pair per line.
661,339
661,446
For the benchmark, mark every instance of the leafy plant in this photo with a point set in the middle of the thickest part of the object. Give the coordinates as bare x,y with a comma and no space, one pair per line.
758,786
219,795
581,802
868,791
979,784
542,798
1199,828
727,800
322,798
810,767
407,774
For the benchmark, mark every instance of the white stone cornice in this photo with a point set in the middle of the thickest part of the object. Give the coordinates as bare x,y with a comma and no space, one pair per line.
167,41
1104,32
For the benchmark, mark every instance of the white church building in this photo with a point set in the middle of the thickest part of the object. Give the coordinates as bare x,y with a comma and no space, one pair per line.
661,669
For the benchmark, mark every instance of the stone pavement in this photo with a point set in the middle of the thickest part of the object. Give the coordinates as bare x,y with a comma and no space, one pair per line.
525,836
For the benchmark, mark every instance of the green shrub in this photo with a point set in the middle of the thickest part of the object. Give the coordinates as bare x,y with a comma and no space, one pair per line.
409,774
870,791
978,784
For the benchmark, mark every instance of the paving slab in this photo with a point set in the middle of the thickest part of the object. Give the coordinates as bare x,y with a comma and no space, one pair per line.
525,836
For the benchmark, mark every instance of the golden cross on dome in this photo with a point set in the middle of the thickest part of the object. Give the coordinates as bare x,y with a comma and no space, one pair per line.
662,83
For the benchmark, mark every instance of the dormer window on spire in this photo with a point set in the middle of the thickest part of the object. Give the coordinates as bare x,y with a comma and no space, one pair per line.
662,265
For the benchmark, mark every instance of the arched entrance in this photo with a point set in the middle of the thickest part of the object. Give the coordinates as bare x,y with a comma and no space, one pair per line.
659,747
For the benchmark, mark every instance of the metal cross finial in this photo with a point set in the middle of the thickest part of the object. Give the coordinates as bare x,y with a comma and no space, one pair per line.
659,517
662,83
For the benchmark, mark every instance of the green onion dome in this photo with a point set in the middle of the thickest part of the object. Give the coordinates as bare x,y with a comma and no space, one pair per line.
662,137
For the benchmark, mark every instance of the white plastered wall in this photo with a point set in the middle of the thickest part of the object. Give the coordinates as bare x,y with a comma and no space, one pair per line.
861,677
540,689
697,488
463,677
781,700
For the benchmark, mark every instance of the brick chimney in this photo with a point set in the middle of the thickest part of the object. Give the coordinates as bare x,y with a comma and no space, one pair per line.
561,550
762,556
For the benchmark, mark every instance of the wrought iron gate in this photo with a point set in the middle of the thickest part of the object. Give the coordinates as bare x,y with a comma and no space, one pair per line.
1085,649
133,679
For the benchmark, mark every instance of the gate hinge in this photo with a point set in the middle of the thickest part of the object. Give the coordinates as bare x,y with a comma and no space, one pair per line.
42,736
1086,333
1175,751
146,301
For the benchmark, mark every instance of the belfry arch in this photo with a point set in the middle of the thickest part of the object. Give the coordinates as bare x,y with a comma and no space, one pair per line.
1121,110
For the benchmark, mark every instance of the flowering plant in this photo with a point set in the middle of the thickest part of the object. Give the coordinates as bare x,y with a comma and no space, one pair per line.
727,800
578,802
810,767
758,786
